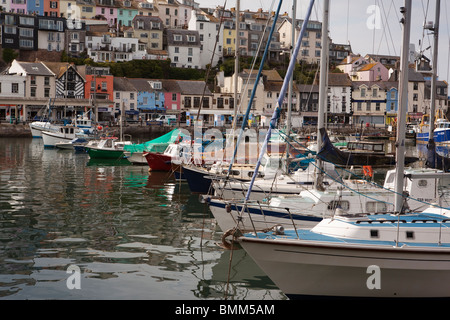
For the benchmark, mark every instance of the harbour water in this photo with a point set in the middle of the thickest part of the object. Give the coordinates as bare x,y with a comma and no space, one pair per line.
130,234
127,233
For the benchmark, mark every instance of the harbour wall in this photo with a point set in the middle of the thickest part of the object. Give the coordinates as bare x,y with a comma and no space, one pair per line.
152,131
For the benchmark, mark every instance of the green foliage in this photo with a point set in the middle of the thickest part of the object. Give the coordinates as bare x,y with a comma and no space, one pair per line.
9,55
151,69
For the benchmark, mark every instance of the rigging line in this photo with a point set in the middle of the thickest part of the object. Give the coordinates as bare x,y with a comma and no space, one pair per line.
425,14
348,20
374,28
386,26
255,58
258,77
212,59
448,35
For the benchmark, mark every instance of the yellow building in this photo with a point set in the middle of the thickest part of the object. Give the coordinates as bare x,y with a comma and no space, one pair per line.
229,42
77,9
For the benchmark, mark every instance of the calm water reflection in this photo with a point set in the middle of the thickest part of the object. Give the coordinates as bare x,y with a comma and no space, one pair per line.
133,235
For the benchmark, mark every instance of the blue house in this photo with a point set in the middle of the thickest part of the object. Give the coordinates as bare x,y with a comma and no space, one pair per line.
391,102
36,6
150,97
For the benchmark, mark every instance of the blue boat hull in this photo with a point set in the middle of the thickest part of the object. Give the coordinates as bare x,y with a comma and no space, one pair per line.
439,136
197,181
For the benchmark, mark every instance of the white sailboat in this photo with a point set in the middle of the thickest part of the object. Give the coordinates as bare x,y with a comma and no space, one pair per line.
397,255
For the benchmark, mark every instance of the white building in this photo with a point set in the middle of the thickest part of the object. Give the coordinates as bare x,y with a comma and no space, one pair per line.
106,48
183,47
311,42
207,26
339,98
125,98
11,86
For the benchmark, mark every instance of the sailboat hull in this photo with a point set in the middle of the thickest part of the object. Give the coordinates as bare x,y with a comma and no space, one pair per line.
311,269
98,153
159,161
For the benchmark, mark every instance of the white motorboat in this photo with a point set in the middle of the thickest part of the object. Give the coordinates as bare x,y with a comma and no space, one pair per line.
64,134
366,256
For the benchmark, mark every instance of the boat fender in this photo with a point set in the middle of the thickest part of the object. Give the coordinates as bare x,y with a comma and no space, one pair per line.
368,171
278,230
228,207
229,244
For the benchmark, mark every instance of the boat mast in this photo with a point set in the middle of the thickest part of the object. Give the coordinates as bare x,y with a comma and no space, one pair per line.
276,112
291,81
258,77
403,105
434,70
236,65
323,92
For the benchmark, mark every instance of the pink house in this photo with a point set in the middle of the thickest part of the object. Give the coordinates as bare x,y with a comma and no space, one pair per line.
172,94
19,6
372,72
109,12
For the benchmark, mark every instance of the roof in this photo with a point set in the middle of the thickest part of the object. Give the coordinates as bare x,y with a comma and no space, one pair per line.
193,87
385,85
59,68
367,67
339,79
35,68
123,84
148,22
184,40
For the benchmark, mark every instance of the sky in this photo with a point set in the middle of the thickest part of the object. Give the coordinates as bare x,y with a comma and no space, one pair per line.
370,26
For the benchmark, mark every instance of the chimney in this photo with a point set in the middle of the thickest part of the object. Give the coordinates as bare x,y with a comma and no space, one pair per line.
349,58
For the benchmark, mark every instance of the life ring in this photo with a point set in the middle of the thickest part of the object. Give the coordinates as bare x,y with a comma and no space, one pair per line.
368,171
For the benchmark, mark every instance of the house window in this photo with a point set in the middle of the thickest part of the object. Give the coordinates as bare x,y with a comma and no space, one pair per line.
46,92
174,97
33,80
33,92
14,88
196,102
190,50
392,94
104,85
187,102
47,81
363,92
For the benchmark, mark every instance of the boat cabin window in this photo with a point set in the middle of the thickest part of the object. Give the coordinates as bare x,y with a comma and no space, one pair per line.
378,147
374,234
409,234
376,206
343,204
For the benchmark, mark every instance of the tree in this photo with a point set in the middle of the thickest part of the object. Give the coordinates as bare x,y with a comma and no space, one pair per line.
9,55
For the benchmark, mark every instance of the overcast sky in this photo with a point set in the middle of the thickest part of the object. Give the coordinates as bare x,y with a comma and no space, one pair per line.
371,26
